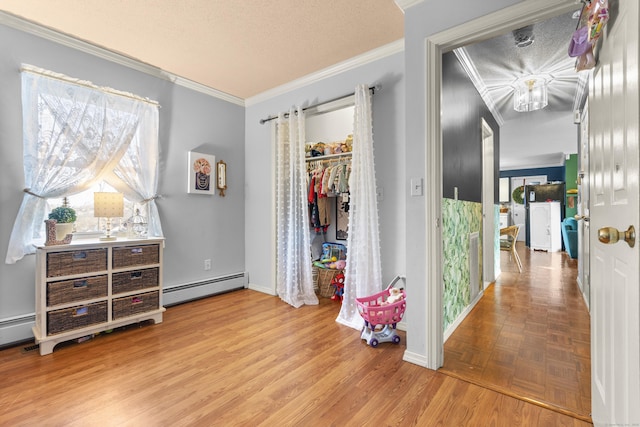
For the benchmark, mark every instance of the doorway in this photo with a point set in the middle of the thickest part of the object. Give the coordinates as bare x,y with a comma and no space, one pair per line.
489,26
483,28
488,209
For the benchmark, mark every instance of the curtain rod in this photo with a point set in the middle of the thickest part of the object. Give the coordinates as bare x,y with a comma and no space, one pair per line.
84,83
372,89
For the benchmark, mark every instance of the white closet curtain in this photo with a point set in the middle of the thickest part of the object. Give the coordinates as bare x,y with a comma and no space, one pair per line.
363,275
293,270
74,134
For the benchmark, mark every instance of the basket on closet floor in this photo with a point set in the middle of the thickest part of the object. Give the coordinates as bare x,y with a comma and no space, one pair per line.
325,277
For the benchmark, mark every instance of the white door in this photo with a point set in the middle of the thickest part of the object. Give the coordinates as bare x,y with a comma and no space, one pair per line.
488,208
615,298
539,223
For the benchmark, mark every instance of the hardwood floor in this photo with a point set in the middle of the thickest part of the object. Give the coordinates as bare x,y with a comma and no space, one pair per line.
245,359
529,336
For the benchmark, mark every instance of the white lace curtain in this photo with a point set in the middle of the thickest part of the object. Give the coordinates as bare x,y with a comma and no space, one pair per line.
363,275
293,269
74,135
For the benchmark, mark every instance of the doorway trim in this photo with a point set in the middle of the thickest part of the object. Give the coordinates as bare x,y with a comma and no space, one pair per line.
488,205
483,28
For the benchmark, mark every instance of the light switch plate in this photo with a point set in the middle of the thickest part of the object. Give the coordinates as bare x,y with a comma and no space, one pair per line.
416,187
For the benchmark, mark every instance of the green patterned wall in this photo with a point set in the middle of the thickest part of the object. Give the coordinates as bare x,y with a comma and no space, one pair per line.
459,219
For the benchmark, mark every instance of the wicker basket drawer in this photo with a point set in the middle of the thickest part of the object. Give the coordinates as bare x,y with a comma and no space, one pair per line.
130,256
76,290
128,281
72,318
135,304
76,262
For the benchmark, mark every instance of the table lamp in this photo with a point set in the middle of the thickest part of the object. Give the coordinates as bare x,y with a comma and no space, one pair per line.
108,205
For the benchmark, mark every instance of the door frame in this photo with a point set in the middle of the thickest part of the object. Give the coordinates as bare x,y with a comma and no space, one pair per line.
483,28
488,206
584,270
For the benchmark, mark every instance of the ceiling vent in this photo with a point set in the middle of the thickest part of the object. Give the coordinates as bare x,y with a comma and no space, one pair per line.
523,36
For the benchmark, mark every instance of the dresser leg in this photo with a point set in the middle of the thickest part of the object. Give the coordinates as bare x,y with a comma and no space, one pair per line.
47,347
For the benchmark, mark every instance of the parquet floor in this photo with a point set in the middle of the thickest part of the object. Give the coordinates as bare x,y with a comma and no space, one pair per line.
529,336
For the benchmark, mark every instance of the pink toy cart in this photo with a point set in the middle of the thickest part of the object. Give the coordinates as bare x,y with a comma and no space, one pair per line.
381,318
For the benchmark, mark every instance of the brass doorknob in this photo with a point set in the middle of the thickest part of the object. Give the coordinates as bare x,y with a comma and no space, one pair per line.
610,235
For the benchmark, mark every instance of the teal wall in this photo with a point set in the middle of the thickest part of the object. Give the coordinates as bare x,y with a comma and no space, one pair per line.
459,219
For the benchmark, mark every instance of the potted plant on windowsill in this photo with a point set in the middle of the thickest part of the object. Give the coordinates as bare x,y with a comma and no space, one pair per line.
65,216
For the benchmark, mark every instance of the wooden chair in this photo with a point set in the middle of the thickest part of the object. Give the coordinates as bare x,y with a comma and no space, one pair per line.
508,243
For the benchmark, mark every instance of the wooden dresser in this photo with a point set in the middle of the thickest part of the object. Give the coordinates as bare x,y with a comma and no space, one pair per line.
92,286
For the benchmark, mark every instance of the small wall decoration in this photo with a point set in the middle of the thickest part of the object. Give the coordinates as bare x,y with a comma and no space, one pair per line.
222,177
200,173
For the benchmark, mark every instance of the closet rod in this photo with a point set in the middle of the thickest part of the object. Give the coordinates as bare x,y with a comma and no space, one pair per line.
372,89
327,158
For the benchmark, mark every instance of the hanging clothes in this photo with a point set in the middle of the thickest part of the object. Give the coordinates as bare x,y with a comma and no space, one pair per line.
324,181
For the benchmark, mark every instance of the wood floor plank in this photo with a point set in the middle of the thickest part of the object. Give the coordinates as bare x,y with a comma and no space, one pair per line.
246,359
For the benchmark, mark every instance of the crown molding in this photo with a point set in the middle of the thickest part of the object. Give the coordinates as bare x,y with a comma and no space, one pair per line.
58,37
405,4
341,67
198,87
474,76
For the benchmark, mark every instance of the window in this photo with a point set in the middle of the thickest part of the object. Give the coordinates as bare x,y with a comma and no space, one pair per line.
78,136
86,223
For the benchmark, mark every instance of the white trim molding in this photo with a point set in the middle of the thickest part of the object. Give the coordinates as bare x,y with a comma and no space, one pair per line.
406,4
482,28
29,27
481,87
339,68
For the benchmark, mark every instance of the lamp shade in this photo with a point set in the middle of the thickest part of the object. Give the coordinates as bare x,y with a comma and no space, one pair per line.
530,95
108,205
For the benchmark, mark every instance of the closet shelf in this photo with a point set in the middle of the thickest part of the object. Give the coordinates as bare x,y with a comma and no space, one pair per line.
327,157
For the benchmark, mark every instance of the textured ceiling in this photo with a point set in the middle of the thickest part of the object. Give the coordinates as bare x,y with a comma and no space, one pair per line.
240,47
499,63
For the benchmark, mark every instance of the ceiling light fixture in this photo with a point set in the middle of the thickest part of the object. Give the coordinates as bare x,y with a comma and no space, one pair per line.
523,37
530,94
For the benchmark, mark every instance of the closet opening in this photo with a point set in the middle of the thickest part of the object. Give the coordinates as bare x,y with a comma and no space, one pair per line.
328,151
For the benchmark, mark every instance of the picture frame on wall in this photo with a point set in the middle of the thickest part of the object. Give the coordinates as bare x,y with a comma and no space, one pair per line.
201,173
342,218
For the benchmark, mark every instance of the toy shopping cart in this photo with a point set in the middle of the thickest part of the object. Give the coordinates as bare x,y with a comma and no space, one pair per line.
381,317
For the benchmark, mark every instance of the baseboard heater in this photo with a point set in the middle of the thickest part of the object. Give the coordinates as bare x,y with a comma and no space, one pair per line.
16,329
190,291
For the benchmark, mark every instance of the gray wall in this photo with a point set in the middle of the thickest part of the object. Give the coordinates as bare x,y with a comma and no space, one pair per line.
389,140
196,227
421,21
462,112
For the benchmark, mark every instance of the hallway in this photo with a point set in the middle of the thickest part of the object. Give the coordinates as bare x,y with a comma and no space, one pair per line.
529,335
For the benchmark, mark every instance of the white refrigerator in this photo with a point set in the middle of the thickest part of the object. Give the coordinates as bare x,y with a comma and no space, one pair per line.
544,220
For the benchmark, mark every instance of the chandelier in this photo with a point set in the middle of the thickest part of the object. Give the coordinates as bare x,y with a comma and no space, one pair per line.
530,94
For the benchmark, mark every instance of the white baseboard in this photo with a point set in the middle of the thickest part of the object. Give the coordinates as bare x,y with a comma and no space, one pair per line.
452,327
415,358
263,289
